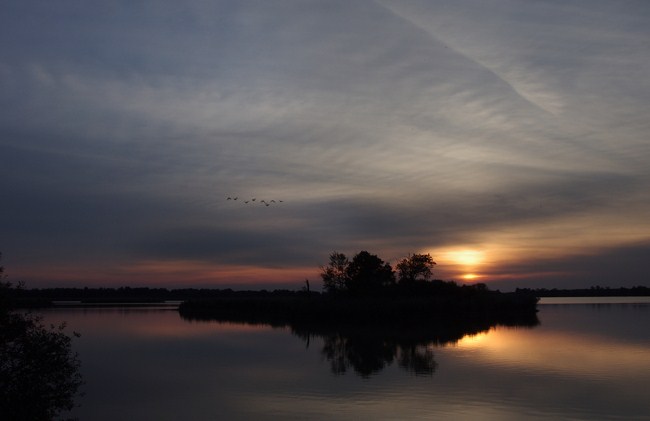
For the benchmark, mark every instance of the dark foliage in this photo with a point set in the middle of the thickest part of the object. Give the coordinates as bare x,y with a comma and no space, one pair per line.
397,308
39,373
415,268
367,274
334,275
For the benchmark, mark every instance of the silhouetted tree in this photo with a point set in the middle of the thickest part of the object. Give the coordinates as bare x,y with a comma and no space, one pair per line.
39,374
367,274
335,275
416,267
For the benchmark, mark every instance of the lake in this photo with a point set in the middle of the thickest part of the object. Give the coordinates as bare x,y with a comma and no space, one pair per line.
584,360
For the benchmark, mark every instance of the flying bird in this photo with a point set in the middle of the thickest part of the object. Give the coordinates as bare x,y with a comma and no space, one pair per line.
253,199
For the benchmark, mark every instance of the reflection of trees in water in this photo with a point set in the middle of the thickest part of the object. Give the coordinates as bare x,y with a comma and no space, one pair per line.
418,359
39,373
368,334
367,349
365,355
369,355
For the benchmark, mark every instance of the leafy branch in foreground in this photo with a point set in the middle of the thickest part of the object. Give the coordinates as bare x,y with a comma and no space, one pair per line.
39,373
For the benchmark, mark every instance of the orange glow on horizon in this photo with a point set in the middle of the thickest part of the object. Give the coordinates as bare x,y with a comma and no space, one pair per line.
561,351
488,262
463,263
161,273
466,257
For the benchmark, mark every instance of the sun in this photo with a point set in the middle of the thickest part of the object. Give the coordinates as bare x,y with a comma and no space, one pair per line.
465,262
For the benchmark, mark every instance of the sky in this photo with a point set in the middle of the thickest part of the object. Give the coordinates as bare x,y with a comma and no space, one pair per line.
507,138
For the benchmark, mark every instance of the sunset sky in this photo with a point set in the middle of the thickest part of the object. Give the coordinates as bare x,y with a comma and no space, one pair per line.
510,139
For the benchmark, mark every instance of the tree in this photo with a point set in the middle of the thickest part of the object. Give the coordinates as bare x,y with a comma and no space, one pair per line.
39,373
334,275
367,273
414,268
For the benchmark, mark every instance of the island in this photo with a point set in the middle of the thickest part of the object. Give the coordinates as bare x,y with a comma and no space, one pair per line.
366,290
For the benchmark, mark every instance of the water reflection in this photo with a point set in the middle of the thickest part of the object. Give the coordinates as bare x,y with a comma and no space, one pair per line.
367,349
581,362
368,354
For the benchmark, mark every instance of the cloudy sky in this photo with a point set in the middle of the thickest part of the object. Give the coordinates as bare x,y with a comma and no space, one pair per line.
507,138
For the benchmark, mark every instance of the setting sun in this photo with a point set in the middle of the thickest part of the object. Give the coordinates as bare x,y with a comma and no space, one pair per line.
464,263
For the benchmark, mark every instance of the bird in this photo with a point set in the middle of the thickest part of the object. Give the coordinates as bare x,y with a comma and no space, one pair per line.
254,199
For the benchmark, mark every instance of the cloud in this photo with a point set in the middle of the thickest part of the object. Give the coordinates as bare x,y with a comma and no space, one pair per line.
616,266
389,126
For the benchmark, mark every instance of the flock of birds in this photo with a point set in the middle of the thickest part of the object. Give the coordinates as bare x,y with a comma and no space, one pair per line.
261,202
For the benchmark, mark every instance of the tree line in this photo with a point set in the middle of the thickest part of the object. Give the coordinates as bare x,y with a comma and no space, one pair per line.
366,274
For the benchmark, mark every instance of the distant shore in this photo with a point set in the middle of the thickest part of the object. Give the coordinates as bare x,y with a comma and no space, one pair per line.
596,291
198,298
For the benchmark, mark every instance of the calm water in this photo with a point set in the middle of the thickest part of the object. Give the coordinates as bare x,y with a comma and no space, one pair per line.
584,361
